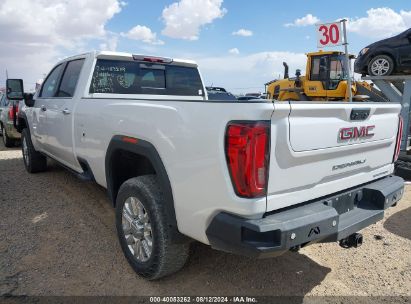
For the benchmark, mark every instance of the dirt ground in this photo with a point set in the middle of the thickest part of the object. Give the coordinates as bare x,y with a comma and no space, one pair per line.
58,237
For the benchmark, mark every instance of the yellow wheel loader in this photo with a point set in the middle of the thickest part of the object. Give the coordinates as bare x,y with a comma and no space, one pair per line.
325,79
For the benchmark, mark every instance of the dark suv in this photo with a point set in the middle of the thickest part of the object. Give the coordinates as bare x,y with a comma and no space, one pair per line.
386,57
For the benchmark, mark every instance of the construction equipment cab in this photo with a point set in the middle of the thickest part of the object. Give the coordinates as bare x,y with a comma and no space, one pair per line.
325,79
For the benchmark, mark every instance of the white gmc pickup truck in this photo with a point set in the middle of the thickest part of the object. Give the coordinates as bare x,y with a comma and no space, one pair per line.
257,178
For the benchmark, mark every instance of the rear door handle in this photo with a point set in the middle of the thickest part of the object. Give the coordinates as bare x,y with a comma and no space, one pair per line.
66,111
43,108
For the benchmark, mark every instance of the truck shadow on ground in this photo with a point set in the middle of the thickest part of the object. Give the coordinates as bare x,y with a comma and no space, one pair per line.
400,223
3,148
212,272
222,273
93,263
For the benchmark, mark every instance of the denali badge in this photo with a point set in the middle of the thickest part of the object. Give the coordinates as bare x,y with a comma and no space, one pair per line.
355,132
354,163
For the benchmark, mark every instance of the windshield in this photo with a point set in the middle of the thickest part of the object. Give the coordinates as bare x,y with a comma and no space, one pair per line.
338,71
337,67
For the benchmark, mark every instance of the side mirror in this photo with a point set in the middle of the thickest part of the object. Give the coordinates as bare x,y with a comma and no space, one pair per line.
28,100
14,89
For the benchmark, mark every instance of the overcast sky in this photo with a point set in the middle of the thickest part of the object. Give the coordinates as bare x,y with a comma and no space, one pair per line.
239,44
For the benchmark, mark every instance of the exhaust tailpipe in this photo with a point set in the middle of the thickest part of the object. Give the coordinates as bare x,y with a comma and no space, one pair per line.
286,76
354,240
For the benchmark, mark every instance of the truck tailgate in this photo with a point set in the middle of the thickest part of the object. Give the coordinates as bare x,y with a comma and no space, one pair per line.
322,148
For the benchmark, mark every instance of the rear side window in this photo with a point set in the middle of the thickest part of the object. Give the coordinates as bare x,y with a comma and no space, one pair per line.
131,77
50,85
70,78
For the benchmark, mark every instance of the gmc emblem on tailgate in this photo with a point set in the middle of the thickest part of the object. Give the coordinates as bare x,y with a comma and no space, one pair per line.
355,132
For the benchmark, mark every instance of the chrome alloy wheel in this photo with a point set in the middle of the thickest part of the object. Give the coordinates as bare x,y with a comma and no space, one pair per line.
137,229
380,67
25,152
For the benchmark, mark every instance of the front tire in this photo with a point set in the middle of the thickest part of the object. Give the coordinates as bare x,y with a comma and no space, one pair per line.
34,161
8,142
381,65
144,235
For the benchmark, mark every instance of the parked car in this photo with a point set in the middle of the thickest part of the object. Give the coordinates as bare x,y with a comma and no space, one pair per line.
253,94
217,93
8,118
250,178
386,57
217,89
248,98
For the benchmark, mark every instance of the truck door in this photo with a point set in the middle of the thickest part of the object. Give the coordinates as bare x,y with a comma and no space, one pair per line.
59,142
39,121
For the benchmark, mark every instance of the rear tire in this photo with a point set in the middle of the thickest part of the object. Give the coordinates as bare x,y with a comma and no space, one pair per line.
403,166
403,169
141,221
381,65
8,142
34,161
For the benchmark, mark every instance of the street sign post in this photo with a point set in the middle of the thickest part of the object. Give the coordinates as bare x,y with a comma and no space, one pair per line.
335,34
329,35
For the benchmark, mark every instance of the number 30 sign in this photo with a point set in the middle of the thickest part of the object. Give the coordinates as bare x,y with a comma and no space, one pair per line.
329,34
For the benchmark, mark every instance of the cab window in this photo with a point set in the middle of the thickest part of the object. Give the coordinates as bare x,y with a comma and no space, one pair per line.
70,78
49,87
319,68
337,72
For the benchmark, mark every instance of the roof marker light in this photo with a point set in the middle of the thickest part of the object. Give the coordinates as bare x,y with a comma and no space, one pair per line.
152,59
129,140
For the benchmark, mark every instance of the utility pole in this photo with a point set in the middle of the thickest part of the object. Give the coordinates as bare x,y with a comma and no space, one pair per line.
348,65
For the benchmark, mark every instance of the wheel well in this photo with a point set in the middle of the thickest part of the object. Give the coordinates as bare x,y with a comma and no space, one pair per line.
131,158
125,165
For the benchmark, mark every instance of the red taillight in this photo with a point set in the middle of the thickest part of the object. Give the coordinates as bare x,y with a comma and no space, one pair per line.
130,140
399,137
13,111
152,59
247,152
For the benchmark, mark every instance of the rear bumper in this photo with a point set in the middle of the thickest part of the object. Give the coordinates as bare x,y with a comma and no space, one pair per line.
328,219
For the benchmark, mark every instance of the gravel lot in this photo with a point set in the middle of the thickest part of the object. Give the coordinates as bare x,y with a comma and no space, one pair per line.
58,237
